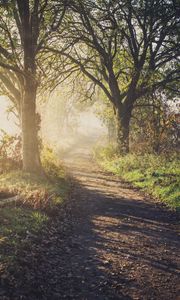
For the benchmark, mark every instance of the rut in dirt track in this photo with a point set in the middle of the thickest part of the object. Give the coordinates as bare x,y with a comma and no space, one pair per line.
120,245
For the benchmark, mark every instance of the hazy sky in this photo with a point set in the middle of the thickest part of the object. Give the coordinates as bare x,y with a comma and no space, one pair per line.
7,123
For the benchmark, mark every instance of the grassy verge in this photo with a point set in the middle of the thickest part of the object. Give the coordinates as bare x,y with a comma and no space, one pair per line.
157,175
38,199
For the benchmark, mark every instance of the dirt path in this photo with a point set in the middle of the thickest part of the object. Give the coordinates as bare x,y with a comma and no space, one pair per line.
117,245
125,246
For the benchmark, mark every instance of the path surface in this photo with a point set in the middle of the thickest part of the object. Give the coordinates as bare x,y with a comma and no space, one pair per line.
117,245
125,246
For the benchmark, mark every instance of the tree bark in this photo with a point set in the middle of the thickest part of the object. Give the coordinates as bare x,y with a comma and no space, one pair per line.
31,158
122,129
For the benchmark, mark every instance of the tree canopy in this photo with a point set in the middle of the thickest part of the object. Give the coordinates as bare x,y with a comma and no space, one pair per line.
128,49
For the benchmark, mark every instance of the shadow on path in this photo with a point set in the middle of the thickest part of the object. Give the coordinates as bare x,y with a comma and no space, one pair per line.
115,244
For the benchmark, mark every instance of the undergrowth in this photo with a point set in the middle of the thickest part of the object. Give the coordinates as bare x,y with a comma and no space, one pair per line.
36,203
158,175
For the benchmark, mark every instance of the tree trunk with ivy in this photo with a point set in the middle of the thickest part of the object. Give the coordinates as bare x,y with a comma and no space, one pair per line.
123,118
31,157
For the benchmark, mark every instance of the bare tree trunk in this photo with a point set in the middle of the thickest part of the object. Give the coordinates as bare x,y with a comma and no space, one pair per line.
31,158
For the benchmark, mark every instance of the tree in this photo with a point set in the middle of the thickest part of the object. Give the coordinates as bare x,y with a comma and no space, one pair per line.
128,48
25,27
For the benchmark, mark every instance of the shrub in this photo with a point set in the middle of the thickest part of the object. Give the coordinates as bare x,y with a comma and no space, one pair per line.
10,152
51,164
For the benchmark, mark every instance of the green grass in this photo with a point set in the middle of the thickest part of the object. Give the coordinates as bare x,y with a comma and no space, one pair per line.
16,225
157,175
39,198
37,192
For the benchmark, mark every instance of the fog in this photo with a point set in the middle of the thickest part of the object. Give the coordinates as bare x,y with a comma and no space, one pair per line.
63,125
7,120
69,132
